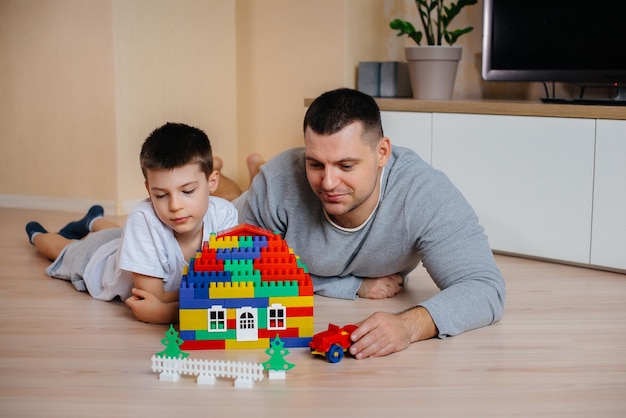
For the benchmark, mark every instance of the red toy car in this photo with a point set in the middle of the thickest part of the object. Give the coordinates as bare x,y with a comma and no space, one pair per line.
333,342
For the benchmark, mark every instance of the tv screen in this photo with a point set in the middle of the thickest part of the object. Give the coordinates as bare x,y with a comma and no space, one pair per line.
574,41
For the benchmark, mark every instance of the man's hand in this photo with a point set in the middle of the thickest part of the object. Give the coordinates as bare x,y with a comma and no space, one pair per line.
384,333
380,288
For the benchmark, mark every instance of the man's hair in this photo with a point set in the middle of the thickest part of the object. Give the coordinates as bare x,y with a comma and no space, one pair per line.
175,145
336,109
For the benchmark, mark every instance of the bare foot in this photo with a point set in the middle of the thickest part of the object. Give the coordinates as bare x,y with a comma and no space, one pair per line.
226,188
218,164
254,162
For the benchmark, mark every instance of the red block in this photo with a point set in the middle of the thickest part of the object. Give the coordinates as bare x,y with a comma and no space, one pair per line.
203,345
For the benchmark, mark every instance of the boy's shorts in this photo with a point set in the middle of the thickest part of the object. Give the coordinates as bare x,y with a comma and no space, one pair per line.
71,263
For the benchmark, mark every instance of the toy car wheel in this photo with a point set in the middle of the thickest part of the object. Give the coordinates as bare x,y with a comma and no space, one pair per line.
334,353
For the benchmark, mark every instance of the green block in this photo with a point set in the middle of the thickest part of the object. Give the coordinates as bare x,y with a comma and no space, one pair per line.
239,266
254,276
276,289
245,242
212,336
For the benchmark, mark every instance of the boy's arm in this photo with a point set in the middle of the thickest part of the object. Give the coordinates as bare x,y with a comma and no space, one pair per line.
150,303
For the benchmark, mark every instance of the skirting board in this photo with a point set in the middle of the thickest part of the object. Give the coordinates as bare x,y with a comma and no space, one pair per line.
65,204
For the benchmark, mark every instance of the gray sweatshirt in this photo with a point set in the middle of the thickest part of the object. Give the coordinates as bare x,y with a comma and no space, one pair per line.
421,216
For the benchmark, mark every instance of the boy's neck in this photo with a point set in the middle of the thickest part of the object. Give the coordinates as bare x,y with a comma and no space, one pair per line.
190,243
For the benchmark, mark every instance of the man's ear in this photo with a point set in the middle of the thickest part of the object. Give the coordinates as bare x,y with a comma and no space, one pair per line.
214,181
384,151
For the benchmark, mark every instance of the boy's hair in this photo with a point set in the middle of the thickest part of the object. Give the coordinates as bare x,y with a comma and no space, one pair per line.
336,109
175,145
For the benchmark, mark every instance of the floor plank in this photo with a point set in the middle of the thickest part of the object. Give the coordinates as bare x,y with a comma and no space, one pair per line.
559,351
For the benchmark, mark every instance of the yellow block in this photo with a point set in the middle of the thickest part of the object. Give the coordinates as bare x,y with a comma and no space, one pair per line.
300,322
193,319
305,326
236,345
237,290
293,301
223,242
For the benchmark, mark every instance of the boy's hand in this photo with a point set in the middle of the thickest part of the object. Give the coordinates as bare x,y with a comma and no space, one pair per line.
143,304
150,303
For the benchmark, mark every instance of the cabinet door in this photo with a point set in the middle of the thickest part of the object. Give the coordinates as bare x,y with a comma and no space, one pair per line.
528,178
608,236
410,130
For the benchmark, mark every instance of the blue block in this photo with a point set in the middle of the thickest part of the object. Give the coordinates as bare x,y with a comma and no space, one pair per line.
201,291
199,303
208,277
187,335
239,302
296,342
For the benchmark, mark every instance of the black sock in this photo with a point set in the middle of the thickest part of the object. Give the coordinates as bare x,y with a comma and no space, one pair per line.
78,229
34,228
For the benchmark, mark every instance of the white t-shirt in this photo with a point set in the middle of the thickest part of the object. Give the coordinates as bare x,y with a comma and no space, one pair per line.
148,247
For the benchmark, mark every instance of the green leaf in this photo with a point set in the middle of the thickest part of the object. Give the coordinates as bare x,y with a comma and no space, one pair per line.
452,37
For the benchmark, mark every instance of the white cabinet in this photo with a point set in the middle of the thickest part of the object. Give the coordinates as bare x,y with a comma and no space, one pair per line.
608,238
530,179
410,130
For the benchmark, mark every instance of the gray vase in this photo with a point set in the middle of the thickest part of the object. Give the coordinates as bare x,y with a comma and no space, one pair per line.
432,70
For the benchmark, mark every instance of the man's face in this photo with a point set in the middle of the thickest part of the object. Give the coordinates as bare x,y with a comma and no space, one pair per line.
343,170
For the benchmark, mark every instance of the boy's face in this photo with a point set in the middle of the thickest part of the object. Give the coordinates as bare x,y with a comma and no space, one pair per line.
343,170
181,197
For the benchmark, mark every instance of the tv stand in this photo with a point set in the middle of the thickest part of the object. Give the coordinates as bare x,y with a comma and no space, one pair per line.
618,100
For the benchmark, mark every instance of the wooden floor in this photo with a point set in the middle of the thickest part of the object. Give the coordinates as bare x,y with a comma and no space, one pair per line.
559,351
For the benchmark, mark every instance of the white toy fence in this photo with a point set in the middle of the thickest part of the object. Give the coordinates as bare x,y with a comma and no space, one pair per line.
207,370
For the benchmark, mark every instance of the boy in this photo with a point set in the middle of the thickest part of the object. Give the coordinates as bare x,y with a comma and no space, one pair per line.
143,262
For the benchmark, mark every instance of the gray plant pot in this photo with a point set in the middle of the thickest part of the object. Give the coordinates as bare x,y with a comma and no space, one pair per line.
432,70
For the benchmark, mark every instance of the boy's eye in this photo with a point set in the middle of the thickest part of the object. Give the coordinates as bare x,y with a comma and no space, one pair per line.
189,191
159,196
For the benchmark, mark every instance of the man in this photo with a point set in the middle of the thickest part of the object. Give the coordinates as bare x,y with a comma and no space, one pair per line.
362,215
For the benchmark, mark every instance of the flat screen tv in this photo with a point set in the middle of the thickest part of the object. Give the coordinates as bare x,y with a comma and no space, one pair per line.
573,41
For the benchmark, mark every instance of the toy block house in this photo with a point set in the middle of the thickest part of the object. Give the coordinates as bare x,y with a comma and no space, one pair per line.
242,289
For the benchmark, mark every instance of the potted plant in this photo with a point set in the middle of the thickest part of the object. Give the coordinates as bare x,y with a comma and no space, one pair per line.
433,68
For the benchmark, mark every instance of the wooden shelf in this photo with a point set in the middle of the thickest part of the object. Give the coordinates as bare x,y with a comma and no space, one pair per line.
500,107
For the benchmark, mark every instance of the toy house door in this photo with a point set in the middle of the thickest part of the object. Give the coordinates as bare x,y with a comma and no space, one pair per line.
247,324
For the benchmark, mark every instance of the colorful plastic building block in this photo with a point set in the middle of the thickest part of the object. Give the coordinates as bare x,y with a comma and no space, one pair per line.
333,342
244,287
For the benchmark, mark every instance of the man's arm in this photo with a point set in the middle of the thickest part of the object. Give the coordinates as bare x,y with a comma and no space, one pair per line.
150,303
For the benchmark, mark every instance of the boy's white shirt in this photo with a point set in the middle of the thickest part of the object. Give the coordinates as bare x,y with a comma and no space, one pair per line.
148,247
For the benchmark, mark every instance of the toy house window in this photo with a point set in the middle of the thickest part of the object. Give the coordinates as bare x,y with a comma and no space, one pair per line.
276,317
246,321
217,319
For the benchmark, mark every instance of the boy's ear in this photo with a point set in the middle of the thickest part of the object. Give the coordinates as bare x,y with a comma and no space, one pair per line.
147,187
214,181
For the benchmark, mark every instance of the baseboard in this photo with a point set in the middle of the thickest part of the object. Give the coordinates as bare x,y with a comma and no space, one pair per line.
65,204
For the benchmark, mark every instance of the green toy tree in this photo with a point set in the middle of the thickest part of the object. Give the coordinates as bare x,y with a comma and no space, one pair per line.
277,354
172,345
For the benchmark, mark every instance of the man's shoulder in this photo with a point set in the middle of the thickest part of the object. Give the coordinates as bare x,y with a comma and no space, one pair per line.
405,160
289,159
